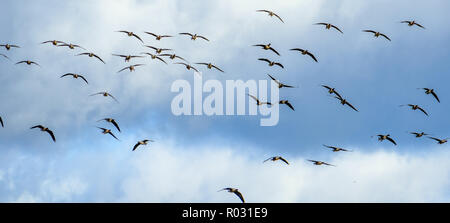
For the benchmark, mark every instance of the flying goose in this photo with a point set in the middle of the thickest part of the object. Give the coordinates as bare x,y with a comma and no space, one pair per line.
280,85
127,57
286,102
377,34
271,63
75,76
130,34
45,129
386,137
318,163
337,149
155,57
173,56
8,46
332,90
158,50
28,62
328,26
440,141
431,91
275,158
131,68
187,66
235,191
267,47
195,36
71,46
158,37
143,142
418,135
108,131
105,94
270,13
53,42
415,107
305,52
210,65
345,102
92,55
411,23
112,121
258,102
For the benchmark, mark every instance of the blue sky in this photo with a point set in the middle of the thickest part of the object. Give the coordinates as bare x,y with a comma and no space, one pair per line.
208,153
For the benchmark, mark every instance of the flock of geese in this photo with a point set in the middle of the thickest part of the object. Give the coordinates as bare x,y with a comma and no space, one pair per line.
160,53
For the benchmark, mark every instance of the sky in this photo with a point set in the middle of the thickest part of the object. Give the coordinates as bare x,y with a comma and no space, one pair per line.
195,156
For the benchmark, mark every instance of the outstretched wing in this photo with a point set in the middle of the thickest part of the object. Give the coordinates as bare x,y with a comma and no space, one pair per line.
113,135
290,106
391,140
83,79
279,64
421,109
240,196
139,38
51,134
136,146
284,160
187,34
203,38
435,96
278,17
417,24
351,106
274,51
276,81
256,99
99,58
159,58
115,124
264,59
218,68
337,28
385,36
113,98
1,122
369,31
312,56
123,69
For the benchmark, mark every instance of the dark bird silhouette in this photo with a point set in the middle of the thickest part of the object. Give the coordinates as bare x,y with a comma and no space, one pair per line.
92,55
158,50
418,135
411,23
143,142
158,37
189,67
1,122
71,46
416,107
54,42
345,102
440,141
280,85
8,46
235,191
28,62
332,90
210,66
130,34
194,36
112,121
305,52
45,129
271,63
377,34
267,47
127,57
431,91
319,163
153,56
386,137
271,14
329,26
173,56
286,102
275,158
105,94
258,102
337,149
131,68
107,131
75,76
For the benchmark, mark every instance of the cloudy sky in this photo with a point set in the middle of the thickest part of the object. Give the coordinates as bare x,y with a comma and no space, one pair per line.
194,156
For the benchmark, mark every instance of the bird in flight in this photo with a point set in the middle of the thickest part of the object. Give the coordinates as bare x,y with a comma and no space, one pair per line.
286,102
72,46
127,57
305,52
187,66
92,55
377,34
280,85
194,36
235,191
158,37
318,163
131,68
275,158
386,137
271,63
418,135
28,62
105,94
130,34
108,131
1,122
45,129
440,141
54,42
258,102
173,56
210,66
8,46
270,13
3,55
75,76
431,91
155,57
158,50
112,121
415,107
411,23
337,149
143,142
267,47
345,102
329,26
332,90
